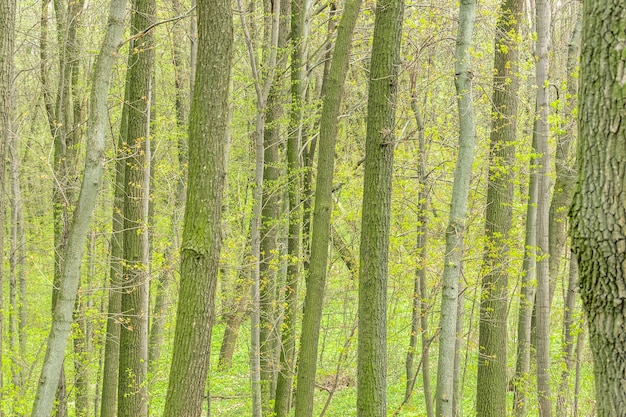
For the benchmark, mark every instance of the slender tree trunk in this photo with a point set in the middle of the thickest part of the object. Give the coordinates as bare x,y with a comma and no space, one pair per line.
112,342
299,39
492,358
92,178
201,242
458,209
132,398
542,131
316,273
375,221
7,37
521,380
419,317
271,215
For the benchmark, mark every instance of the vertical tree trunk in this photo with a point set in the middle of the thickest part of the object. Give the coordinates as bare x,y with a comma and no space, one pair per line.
7,36
316,274
598,215
492,358
201,242
458,209
542,131
271,215
92,178
527,296
419,317
299,39
132,398
112,343
375,221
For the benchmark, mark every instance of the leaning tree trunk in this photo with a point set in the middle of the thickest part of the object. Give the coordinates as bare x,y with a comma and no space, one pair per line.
92,179
375,220
458,209
316,274
492,359
598,213
201,242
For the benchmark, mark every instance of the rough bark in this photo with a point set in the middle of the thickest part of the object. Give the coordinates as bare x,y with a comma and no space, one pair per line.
92,178
316,273
458,210
598,215
132,398
492,358
7,39
201,242
375,220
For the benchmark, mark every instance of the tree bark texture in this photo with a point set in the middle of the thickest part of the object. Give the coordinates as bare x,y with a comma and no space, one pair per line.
132,398
375,221
201,242
458,210
92,178
7,39
492,358
598,213
316,274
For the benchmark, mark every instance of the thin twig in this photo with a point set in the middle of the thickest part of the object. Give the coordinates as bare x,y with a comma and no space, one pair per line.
159,23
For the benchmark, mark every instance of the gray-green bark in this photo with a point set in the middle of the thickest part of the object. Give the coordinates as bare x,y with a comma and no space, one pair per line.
286,371
375,221
201,242
542,132
458,210
92,178
112,343
598,214
316,274
521,378
271,223
492,358
132,398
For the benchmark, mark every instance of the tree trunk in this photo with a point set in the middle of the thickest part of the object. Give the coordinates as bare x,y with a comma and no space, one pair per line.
458,209
492,358
201,242
316,274
521,380
92,178
542,132
7,37
598,215
375,222
299,39
132,398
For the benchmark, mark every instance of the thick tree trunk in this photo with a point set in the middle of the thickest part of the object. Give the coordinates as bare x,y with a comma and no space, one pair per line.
201,242
598,214
375,221
492,358
316,274
458,209
92,178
